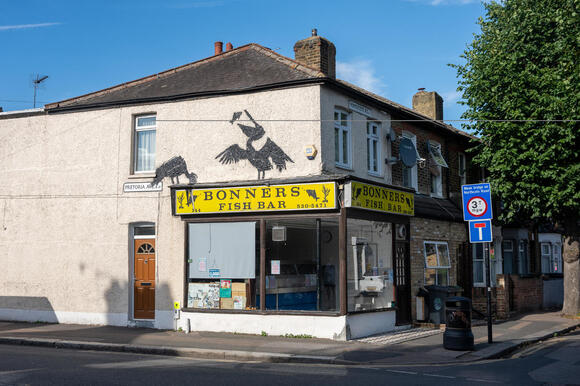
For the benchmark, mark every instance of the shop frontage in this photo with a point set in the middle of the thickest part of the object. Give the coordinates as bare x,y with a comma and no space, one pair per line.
323,258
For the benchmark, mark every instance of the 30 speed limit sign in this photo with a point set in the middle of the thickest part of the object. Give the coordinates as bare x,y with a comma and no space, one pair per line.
476,202
476,206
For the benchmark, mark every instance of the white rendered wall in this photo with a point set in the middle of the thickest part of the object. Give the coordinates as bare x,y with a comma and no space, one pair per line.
371,323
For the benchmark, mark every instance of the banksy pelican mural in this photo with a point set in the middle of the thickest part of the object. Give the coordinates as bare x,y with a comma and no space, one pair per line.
260,159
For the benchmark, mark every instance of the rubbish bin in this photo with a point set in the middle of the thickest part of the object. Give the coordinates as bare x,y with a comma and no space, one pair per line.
422,301
458,335
437,296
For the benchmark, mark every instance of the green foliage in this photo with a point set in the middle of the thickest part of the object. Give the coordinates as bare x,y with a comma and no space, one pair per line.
524,65
264,333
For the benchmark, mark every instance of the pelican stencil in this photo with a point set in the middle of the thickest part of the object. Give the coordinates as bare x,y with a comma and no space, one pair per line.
260,159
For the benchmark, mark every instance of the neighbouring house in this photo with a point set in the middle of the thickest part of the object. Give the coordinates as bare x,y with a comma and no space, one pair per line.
244,192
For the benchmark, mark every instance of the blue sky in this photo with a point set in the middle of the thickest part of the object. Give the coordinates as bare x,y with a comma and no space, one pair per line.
391,47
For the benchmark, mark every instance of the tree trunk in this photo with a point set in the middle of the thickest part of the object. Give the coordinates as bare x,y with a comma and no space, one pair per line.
571,254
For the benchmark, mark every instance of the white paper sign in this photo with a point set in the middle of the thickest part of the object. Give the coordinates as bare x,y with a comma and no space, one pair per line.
275,267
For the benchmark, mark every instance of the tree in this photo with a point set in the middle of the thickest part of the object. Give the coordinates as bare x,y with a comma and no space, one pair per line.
521,85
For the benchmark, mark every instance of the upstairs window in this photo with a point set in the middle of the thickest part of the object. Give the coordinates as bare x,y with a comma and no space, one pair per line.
410,174
461,167
144,139
342,139
437,162
373,148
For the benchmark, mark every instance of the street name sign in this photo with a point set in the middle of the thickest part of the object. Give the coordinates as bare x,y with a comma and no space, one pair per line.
480,231
476,202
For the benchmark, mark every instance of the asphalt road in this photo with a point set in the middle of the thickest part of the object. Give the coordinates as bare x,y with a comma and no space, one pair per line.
554,362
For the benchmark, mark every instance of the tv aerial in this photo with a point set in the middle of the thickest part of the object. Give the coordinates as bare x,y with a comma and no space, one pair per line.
36,84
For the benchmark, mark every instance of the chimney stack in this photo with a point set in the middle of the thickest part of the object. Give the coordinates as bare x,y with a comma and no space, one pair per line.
229,47
317,52
428,103
218,47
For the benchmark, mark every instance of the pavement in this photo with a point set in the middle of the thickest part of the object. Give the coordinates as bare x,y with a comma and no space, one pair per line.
414,346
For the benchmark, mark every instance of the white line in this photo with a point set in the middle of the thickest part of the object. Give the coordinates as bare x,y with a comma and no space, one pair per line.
439,376
402,372
481,380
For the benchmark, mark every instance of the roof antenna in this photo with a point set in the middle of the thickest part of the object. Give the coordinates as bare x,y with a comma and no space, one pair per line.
36,83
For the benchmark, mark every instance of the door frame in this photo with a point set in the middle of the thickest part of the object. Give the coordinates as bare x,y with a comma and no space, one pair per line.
131,263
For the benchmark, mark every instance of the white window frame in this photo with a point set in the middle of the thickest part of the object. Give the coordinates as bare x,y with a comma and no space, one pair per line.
137,129
339,131
462,168
439,266
412,171
546,257
523,257
374,154
556,258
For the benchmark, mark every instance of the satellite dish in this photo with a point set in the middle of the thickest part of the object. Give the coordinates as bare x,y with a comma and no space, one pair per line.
407,152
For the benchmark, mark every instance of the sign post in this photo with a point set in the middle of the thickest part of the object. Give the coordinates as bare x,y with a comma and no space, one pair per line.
477,212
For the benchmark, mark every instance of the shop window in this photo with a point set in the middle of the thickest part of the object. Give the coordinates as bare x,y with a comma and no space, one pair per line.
144,143
410,174
222,265
369,265
373,148
461,169
436,163
302,264
342,138
437,263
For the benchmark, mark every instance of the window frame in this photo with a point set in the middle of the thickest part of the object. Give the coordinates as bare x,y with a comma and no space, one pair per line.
340,130
413,172
439,266
436,180
137,129
462,169
374,155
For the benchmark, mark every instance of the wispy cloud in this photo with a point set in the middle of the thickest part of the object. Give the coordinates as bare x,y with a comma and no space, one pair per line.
451,96
26,26
360,73
198,4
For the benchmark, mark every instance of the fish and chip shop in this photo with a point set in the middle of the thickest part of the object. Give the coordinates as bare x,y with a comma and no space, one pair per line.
324,258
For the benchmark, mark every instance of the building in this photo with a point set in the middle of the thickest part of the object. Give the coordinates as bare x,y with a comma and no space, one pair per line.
244,192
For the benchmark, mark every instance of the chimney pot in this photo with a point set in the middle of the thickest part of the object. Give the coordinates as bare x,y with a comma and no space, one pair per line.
229,46
218,47
314,32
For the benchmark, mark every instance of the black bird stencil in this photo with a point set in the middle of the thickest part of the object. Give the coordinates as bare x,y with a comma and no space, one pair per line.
260,159
312,193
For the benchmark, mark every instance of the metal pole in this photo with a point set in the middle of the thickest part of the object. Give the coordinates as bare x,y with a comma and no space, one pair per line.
262,265
318,256
488,286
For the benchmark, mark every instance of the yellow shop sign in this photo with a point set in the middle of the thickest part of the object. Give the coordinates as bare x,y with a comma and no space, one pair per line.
313,196
372,197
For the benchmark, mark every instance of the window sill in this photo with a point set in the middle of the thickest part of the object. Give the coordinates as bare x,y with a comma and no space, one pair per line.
375,174
141,176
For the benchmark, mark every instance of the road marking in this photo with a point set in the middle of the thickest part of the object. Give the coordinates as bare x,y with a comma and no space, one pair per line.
403,372
439,376
481,380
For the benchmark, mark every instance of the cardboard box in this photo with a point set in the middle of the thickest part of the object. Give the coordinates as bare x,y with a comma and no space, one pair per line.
227,303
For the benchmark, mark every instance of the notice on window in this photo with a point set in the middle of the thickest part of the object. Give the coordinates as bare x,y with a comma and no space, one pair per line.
214,272
225,288
202,264
275,267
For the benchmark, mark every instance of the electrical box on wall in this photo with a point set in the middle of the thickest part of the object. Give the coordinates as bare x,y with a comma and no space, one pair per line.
278,233
310,151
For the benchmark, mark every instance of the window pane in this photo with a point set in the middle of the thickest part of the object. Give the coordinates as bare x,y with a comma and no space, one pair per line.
145,231
369,265
345,147
430,255
430,276
368,154
146,121
336,145
545,249
478,271
443,255
344,119
374,158
145,152
336,117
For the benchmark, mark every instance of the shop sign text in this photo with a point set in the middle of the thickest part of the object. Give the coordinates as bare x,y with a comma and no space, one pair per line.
377,198
313,196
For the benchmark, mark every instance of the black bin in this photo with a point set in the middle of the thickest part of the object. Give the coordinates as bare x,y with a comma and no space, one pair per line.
458,335
437,296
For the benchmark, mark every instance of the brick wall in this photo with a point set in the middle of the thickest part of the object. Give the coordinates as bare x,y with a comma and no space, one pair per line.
423,229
